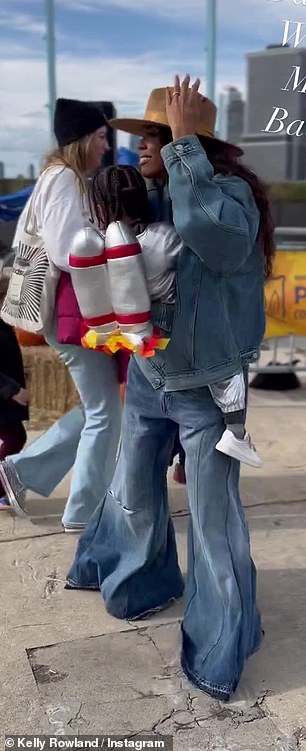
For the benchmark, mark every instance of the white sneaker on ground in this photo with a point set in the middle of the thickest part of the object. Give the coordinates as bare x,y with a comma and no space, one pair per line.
241,449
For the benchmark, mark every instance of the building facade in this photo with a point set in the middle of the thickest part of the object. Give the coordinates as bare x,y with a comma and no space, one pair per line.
230,123
273,76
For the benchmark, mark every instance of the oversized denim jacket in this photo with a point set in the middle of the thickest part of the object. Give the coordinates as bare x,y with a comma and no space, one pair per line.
218,321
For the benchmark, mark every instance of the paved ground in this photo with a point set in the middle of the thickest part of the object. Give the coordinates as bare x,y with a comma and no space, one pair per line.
68,667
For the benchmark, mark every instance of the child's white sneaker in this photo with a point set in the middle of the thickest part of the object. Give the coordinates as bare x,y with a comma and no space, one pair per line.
241,449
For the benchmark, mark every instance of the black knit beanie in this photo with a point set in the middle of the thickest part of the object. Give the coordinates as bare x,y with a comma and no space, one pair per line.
74,119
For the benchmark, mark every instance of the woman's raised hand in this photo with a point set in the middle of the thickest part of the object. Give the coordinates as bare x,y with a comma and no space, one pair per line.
183,107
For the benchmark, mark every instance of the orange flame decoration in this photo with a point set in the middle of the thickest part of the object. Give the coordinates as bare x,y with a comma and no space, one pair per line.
117,341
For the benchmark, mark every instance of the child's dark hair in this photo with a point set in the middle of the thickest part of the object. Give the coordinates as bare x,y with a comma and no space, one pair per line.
119,191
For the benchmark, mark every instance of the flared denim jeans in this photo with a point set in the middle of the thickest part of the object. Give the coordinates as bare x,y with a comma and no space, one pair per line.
128,549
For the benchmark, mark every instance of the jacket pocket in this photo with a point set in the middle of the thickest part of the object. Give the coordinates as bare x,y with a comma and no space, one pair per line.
162,315
213,342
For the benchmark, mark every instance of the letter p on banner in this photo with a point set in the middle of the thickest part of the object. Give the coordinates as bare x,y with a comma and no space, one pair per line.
300,294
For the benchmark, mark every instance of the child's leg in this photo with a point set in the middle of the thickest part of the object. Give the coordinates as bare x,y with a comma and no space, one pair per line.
179,469
235,422
230,397
182,456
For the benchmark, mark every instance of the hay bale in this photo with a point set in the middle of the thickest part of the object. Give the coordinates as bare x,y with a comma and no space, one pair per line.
50,386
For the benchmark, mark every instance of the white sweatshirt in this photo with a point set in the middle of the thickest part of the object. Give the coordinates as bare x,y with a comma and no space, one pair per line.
60,211
160,247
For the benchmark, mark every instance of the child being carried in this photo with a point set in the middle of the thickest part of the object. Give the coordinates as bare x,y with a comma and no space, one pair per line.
121,204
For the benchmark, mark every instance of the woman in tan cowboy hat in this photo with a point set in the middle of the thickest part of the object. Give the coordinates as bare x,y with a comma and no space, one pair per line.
229,395
221,212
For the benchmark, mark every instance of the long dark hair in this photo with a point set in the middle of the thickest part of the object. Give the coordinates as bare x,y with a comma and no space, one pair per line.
119,191
224,159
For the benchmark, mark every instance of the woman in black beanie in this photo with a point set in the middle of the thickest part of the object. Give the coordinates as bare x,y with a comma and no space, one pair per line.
62,207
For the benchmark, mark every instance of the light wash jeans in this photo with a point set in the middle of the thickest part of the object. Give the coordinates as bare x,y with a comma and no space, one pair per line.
87,439
128,549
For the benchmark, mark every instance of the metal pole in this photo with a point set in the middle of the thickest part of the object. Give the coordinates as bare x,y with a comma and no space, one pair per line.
211,48
50,39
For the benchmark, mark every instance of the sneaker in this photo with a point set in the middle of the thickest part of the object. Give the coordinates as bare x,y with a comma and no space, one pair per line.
16,493
241,449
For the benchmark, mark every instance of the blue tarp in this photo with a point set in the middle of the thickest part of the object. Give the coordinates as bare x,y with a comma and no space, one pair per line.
11,206
126,156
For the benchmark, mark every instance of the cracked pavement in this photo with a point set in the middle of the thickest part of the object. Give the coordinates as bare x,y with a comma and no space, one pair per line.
67,667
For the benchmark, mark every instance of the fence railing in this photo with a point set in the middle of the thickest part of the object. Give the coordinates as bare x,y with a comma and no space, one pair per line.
284,354
290,237
281,355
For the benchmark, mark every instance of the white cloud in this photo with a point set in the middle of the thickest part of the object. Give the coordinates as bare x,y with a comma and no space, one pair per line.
259,16
14,50
124,81
24,129
21,22
167,8
240,15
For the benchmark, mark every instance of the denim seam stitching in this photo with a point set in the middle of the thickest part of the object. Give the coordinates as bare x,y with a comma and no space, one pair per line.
196,588
225,227
221,628
203,549
229,547
224,688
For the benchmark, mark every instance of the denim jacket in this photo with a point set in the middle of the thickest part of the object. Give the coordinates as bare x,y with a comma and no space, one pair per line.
218,321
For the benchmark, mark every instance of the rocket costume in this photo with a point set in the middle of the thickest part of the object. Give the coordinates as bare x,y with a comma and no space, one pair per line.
116,274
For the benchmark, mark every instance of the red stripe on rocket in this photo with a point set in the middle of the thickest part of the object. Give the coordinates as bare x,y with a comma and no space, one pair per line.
129,292
90,280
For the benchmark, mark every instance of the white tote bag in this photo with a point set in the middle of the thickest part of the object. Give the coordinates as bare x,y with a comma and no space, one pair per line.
30,299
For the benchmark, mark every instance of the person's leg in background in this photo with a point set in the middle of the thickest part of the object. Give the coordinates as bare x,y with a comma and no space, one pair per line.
95,377
128,549
87,437
179,475
42,465
12,440
221,625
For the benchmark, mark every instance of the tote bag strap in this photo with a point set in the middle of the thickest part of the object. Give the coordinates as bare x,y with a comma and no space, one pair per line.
30,225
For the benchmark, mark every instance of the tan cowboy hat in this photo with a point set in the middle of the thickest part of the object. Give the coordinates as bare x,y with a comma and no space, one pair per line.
155,114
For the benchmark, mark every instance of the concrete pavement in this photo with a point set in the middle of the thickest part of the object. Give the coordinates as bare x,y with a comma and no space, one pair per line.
68,667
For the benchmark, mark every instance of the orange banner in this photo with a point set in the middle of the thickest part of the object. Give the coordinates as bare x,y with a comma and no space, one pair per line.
285,295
